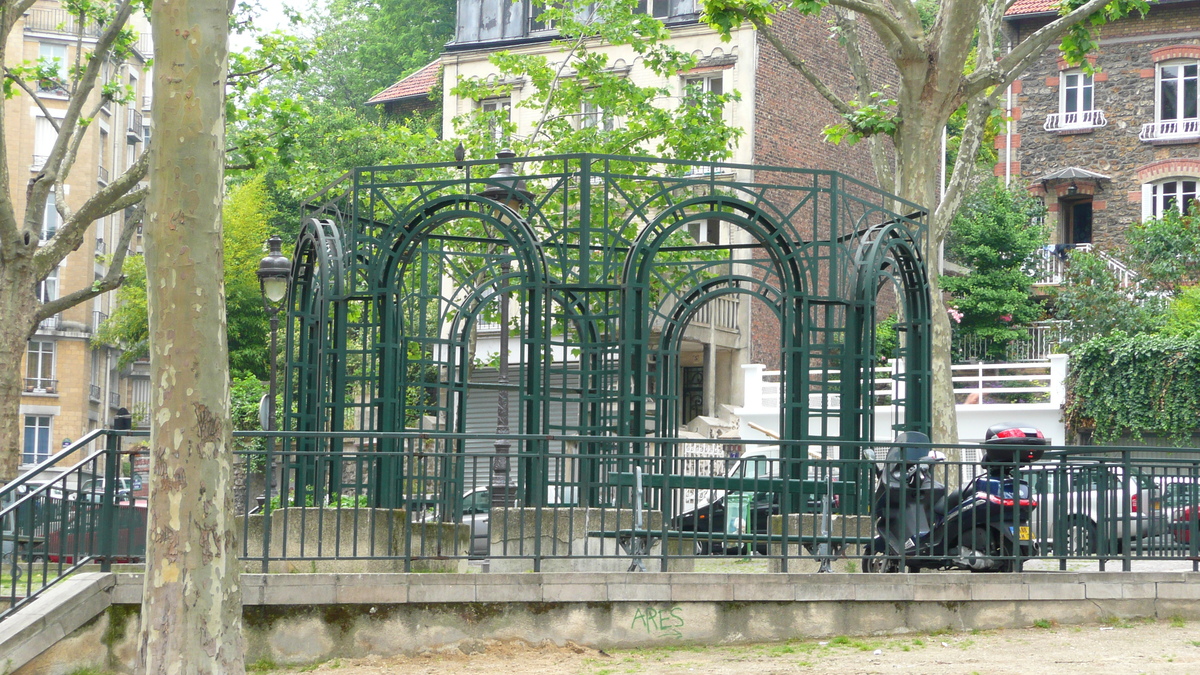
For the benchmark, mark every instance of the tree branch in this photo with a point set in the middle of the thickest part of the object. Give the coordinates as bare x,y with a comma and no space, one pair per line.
978,111
1006,69
883,19
85,82
554,85
801,66
112,278
99,205
848,31
33,95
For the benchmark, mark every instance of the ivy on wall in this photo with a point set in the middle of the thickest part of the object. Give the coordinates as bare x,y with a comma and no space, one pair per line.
1123,385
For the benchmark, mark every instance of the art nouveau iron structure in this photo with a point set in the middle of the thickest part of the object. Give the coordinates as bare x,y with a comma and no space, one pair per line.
398,268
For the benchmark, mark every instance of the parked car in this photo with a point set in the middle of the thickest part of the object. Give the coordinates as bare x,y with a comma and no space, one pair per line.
1181,499
92,490
78,536
1088,502
730,516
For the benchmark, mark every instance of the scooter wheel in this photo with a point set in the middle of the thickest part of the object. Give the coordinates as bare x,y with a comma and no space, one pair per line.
878,562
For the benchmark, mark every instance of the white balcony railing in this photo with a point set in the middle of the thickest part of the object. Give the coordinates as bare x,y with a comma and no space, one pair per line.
1050,266
1172,130
1075,121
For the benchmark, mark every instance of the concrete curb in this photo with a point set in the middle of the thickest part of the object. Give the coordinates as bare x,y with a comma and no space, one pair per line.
54,615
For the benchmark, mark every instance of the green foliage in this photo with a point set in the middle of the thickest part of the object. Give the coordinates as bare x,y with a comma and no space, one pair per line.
1083,37
887,339
877,117
247,210
364,46
1094,301
1183,315
1124,384
579,79
995,236
1166,251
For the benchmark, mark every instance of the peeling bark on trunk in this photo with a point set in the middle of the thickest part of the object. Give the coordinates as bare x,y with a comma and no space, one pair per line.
918,154
17,299
191,610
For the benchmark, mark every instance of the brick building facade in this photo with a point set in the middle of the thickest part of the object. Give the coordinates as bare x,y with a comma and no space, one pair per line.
1109,149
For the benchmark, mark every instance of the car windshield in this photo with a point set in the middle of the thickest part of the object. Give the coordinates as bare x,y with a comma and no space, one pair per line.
755,467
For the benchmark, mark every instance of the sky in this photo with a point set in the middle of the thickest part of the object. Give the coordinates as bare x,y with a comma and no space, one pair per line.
270,17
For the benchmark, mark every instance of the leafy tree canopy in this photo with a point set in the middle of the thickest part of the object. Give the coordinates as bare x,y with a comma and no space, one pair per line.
246,213
995,236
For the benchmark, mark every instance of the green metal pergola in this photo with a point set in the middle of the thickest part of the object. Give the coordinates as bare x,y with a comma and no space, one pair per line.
596,266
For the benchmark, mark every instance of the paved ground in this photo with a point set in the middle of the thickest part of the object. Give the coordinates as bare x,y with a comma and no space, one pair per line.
1120,648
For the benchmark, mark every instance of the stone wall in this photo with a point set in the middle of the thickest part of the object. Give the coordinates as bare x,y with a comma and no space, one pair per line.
1125,91
297,619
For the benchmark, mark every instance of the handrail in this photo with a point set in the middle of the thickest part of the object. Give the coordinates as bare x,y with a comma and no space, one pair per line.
55,459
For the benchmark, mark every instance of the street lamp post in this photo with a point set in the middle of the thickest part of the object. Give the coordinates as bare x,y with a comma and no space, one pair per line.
274,275
508,188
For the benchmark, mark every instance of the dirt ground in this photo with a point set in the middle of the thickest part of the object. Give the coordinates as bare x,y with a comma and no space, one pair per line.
1119,647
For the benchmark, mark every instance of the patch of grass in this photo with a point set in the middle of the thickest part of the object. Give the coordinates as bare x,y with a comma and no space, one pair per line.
89,670
942,631
263,665
918,642
1177,621
1195,643
1117,622
1044,623
781,650
965,644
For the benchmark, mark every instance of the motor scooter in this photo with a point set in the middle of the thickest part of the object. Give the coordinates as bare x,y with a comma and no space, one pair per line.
982,527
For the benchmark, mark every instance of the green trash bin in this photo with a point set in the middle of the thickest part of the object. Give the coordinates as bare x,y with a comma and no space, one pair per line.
739,508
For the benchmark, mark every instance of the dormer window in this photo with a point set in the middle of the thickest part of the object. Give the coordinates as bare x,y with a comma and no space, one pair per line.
1076,105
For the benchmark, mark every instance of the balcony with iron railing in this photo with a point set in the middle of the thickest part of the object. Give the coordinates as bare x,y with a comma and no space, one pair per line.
101,247
1076,122
98,318
102,175
57,22
51,323
114,399
133,125
41,385
39,161
94,393
1171,131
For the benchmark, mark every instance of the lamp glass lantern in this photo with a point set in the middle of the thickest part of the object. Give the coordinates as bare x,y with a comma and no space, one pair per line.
274,275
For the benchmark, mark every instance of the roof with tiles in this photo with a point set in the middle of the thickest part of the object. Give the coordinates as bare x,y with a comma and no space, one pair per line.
1032,7
419,83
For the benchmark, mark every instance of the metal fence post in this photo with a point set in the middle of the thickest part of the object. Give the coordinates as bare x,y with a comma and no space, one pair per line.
108,507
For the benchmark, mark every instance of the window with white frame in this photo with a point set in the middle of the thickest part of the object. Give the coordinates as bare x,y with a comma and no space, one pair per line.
39,366
1077,92
1178,91
53,54
51,220
536,22
37,439
1178,194
659,9
47,289
594,116
497,111
44,136
709,83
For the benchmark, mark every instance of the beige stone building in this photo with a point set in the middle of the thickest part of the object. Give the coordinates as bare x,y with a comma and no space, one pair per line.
72,386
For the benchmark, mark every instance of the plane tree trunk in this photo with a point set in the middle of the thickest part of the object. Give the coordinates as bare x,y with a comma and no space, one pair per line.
191,607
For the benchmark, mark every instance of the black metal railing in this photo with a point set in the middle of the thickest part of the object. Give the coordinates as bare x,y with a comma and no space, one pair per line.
416,501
